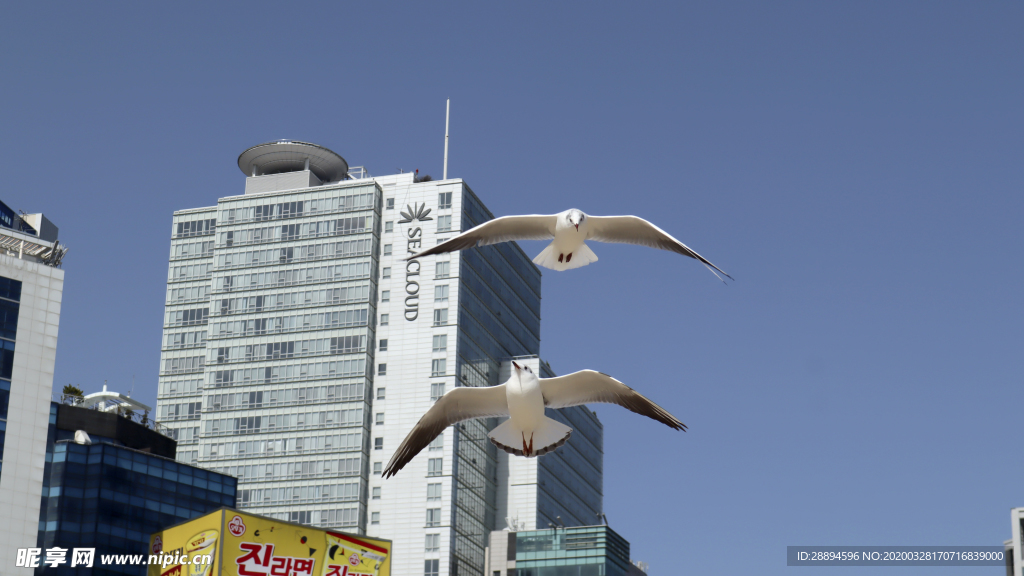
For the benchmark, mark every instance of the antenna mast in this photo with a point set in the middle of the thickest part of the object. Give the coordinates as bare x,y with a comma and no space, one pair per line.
447,114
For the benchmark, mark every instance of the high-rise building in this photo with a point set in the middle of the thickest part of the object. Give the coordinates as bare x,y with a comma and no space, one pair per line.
31,287
1014,547
300,347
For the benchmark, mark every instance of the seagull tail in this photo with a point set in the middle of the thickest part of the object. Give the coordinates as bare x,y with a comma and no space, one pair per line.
548,258
547,436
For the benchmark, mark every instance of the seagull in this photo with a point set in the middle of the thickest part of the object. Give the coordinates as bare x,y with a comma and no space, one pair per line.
527,432
569,230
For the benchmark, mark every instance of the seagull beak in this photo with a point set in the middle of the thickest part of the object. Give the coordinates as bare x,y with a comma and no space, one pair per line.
516,365
577,227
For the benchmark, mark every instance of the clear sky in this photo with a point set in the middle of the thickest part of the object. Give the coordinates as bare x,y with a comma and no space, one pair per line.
856,166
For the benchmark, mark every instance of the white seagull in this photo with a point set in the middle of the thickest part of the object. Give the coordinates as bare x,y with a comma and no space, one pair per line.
528,432
569,229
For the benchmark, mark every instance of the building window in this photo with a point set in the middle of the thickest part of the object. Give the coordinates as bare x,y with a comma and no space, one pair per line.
433,543
385,295
376,493
440,342
380,393
437,443
444,200
377,468
374,517
387,249
444,223
378,443
435,466
389,226
385,272
434,519
437,367
434,492
441,269
383,344
380,418
431,567
384,319
382,369
389,203
441,293
436,391
440,317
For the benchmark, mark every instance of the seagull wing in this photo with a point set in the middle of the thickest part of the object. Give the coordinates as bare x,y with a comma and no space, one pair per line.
587,386
457,405
634,230
504,229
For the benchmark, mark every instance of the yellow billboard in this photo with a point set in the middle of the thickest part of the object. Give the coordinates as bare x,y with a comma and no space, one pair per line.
232,543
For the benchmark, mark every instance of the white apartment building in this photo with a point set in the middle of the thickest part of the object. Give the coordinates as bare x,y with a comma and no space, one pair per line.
300,347
31,287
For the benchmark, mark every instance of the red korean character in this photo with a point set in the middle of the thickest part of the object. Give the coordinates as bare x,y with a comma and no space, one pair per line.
303,566
258,565
337,570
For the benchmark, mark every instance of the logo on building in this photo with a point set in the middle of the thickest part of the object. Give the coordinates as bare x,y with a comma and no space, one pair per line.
415,212
236,526
158,545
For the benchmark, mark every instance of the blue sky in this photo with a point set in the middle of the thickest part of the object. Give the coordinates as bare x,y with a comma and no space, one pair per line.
857,167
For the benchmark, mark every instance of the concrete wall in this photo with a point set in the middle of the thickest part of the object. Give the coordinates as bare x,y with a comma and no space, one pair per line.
24,453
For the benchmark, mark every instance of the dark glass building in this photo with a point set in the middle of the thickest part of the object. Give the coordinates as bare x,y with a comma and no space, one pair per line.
112,493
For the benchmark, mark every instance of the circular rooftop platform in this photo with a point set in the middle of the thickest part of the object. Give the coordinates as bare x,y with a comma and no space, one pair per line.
291,156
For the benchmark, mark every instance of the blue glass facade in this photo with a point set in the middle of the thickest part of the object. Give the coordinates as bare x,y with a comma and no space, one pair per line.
581,551
499,317
112,498
10,298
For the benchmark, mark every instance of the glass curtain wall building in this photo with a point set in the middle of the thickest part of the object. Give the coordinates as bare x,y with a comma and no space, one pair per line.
112,493
300,347
31,290
572,551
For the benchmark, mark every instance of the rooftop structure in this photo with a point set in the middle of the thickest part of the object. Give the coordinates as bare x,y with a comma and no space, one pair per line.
29,236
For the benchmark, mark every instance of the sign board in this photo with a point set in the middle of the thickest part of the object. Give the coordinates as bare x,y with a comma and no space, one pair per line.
232,543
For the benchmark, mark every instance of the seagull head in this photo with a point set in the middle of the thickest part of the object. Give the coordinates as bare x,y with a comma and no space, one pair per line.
523,371
575,217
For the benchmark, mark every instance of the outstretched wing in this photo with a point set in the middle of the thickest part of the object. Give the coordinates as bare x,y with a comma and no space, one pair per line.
634,230
587,386
457,405
504,229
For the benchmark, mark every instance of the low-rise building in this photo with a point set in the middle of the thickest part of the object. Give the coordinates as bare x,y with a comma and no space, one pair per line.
558,551
110,488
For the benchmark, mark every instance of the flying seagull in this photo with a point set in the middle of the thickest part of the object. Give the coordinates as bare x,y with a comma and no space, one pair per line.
569,230
528,432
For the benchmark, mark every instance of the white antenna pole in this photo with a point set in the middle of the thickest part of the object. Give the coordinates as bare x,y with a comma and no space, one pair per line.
447,114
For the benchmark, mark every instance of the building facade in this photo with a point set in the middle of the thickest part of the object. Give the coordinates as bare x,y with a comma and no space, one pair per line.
31,288
300,347
561,551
